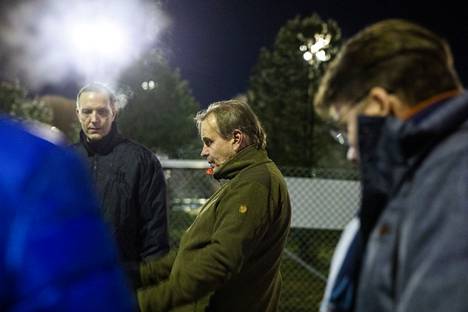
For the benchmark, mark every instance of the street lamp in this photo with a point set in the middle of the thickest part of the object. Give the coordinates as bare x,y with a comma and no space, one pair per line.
314,49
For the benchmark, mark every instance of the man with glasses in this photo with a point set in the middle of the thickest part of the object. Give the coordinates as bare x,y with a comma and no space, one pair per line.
394,91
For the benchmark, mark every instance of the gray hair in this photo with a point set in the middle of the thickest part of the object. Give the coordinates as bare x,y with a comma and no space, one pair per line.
235,114
99,88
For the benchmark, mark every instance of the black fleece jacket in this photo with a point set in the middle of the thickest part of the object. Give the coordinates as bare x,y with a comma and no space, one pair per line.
130,183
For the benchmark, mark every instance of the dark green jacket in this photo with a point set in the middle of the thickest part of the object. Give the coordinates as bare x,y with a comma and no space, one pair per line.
231,253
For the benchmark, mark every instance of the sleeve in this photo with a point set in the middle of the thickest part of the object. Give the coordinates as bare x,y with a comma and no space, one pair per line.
240,223
156,271
60,251
153,209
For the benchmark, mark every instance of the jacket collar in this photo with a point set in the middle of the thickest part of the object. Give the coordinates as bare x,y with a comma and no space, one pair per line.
391,149
104,146
248,157
433,124
397,141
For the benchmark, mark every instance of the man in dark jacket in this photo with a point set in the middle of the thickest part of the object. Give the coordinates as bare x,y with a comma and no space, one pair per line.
229,258
128,178
56,253
395,92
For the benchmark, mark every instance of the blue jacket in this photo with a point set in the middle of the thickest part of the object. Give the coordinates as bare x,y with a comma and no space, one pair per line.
416,255
55,252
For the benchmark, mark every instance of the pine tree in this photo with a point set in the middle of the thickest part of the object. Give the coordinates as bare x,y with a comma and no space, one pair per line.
281,90
160,108
14,102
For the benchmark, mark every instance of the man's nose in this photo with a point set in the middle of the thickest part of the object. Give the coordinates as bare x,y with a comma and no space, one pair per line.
204,151
94,117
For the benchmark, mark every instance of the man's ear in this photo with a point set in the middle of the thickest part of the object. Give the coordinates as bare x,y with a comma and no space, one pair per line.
382,102
238,139
390,103
115,113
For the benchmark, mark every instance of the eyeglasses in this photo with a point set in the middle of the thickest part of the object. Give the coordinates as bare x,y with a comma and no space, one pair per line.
338,133
339,136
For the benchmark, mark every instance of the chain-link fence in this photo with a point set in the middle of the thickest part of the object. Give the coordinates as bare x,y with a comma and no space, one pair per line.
323,201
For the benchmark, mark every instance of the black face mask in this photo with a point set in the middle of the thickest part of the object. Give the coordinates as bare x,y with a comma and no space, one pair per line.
369,134
374,186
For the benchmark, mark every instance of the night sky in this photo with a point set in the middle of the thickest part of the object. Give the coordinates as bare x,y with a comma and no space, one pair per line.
216,43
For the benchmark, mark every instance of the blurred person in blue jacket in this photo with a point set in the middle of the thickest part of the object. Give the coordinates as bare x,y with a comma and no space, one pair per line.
56,254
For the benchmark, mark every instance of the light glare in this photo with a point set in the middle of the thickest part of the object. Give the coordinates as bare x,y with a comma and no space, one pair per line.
102,39
92,39
322,56
307,56
314,49
148,85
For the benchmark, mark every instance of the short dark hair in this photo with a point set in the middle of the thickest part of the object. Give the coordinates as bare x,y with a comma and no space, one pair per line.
97,87
397,55
235,114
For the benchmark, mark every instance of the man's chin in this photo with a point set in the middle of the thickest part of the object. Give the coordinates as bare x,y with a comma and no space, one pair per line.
94,136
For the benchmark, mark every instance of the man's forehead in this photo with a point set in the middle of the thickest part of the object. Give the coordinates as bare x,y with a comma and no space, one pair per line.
209,124
94,97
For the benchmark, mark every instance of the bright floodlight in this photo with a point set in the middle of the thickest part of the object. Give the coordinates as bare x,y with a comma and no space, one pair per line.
321,41
94,39
104,39
148,85
315,49
322,56
307,56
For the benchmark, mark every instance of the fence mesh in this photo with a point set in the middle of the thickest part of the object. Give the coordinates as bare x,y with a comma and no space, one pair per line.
323,201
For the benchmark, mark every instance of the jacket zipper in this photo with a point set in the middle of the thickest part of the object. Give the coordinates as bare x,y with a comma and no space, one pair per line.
95,167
